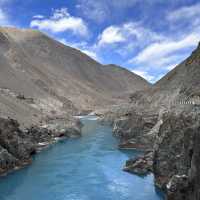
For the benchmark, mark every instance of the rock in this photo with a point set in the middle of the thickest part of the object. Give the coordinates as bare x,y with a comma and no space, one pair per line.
176,156
12,139
140,166
17,146
7,161
131,144
62,127
15,149
133,129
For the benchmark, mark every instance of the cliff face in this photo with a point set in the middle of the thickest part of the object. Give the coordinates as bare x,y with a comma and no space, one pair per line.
17,146
134,130
174,158
163,120
176,154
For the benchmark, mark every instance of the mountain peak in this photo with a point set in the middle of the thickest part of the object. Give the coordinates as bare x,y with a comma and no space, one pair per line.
37,67
20,34
195,56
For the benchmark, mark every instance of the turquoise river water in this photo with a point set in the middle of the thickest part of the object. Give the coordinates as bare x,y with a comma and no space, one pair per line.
87,168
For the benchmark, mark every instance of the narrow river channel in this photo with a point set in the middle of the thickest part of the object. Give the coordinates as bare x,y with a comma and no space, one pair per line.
87,168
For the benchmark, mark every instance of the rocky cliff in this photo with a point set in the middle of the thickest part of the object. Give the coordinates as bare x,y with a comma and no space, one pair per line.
164,122
174,151
17,146
174,157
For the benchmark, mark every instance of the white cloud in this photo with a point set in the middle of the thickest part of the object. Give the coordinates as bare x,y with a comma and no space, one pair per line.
184,12
128,32
38,17
144,75
170,67
93,10
99,11
112,34
3,18
156,52
61,21
91,54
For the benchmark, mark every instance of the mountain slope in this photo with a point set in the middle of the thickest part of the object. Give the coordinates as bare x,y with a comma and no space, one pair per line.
180,84
40,75
185,77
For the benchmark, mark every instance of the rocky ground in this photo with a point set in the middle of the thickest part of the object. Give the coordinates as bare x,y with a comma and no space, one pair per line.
17,146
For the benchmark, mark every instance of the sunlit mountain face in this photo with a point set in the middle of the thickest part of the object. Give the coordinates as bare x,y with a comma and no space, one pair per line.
148,37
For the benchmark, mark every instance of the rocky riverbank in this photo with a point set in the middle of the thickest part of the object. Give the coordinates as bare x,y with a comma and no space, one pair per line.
17,146
170,141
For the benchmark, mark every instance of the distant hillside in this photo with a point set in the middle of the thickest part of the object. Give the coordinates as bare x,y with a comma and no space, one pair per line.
40,76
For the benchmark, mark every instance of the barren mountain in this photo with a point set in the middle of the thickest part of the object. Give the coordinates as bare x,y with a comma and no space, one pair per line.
180,84
39,75
185,78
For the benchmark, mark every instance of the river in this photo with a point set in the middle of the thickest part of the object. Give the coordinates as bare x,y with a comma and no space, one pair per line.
87,168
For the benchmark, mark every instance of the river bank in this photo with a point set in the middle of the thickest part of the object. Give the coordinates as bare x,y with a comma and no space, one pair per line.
170,141
18,145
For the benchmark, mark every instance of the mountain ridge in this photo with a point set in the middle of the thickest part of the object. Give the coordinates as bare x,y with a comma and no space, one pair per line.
56,76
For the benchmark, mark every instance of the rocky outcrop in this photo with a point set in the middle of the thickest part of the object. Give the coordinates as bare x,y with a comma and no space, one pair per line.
17,146
174,137
175,156
134,130
141,165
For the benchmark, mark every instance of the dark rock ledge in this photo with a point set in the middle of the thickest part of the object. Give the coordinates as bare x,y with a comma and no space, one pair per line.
17,146
141,165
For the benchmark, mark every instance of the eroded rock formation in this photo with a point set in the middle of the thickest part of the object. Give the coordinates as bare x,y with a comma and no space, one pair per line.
17,146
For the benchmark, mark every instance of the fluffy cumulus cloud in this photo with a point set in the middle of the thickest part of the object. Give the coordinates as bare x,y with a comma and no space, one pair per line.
165,54
161,57
156,53
112,34
60,21
127,33
152,53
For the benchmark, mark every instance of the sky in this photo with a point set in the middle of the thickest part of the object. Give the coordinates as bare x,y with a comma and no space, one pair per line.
148,37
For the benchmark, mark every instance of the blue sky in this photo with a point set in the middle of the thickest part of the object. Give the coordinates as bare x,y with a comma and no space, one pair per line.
149,37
